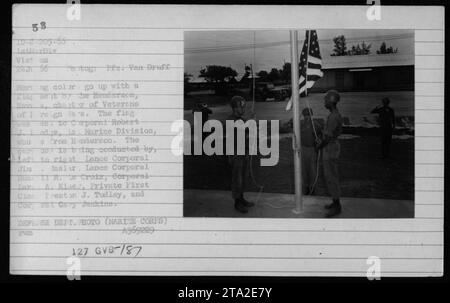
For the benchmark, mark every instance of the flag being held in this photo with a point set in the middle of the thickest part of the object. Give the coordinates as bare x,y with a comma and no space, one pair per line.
310,65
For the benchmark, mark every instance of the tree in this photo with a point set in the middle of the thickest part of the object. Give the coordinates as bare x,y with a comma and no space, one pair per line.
365,48
217,73
340,46
263,75
221,76
232,80
382,49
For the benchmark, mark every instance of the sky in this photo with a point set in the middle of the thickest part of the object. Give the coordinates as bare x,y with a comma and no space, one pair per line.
235,48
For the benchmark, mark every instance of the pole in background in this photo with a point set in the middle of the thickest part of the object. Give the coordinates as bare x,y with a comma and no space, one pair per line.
296,123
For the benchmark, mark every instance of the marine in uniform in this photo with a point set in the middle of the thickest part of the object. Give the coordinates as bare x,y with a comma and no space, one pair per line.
204,110
386,119
330,151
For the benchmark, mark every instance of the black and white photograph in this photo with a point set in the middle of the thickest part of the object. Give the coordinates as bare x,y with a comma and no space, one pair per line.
354,115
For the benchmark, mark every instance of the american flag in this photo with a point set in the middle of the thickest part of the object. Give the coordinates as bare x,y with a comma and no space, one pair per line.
310,66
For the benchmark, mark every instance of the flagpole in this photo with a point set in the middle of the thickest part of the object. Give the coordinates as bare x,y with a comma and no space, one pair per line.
296,123
307,60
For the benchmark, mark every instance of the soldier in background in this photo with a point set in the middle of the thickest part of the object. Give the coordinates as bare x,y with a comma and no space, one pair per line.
202,108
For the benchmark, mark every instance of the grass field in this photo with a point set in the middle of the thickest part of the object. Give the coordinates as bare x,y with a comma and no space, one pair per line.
363,174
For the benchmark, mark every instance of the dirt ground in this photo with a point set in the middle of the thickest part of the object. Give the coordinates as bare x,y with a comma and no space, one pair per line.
218,203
